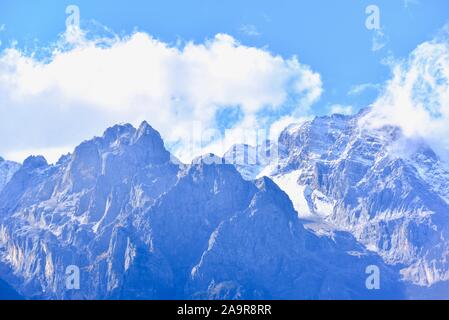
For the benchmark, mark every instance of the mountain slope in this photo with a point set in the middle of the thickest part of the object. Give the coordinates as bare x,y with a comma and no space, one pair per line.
67,214
139,226
389,191
264,252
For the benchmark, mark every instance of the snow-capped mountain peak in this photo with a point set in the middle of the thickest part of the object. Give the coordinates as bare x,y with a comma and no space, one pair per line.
389,191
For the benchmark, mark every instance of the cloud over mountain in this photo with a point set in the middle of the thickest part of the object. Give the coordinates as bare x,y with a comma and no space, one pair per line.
89,83
417,97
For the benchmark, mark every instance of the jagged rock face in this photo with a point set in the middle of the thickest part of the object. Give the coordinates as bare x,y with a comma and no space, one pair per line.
140,227
389,192
7,170
67,214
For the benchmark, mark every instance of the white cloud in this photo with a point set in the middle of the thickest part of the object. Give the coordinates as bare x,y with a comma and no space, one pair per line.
407,3
279,126
360,88
250,30
341,109
51,154
87,85
379,40
417,97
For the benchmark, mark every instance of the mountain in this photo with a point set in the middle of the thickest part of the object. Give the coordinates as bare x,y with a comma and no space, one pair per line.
140,225
54,216
7,170
389,191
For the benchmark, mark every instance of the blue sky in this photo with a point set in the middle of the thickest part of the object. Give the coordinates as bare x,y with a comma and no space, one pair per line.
329,36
